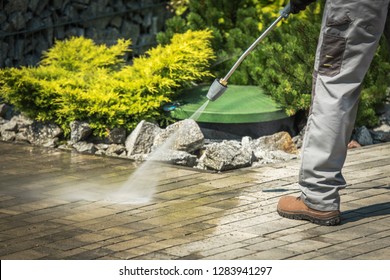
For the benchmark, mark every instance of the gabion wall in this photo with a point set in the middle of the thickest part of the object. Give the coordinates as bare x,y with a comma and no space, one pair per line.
28,27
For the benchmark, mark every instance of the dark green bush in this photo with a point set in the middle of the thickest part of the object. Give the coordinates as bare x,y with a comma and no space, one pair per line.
283,66
234,25
283,63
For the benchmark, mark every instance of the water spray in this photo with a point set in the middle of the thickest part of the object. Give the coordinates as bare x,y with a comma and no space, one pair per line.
219,86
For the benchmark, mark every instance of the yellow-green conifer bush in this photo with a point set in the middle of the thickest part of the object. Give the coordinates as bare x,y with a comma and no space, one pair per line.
156,77
79,80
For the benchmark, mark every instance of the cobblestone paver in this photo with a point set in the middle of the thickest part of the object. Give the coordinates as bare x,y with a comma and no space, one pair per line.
62,205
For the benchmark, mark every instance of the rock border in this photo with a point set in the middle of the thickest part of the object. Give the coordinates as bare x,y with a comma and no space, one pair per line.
182,143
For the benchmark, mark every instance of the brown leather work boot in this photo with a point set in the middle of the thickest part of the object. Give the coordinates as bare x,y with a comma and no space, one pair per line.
293,208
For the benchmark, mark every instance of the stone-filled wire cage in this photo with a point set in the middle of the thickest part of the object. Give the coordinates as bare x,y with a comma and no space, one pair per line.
29,27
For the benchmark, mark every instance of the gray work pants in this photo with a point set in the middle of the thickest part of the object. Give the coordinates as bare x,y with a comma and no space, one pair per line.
349,37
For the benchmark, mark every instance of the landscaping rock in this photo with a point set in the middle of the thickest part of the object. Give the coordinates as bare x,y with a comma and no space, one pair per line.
115,150
8,136
362,136
381,133
384,113
279,141
21,135
22,121
12,125
140,141
298,139
383,128
85,147
116,136
182,143
380,136
17,124
67,146
51,143
270,149
4,109
79,131
189,136
182,136
42,134
101,148
225,156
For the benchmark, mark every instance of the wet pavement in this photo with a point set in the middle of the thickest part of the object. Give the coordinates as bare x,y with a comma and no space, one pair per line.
61,205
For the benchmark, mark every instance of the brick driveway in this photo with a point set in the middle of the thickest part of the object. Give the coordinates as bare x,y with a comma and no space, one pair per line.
62,205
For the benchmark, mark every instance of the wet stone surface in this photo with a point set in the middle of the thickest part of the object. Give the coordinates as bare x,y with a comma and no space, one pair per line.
58,204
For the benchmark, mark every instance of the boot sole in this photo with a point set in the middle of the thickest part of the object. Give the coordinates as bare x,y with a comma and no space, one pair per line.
323,222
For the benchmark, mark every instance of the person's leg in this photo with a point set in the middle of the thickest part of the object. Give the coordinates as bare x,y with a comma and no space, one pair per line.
349,37
348,41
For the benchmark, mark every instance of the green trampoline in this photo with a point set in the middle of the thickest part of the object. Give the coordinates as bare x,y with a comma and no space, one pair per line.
241,111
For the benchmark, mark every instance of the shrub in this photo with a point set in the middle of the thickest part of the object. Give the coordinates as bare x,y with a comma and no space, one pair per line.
79,80
235,26
282,64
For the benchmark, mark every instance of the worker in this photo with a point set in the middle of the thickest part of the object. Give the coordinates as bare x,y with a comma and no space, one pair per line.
349,37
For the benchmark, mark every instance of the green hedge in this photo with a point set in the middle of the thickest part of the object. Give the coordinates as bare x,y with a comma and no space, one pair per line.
79,80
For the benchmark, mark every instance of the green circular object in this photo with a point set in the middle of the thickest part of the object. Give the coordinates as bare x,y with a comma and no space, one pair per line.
239,104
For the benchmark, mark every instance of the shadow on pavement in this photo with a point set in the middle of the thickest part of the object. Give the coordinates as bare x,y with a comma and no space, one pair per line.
374,210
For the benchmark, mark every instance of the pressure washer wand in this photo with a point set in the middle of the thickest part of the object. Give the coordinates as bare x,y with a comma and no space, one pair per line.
219,86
